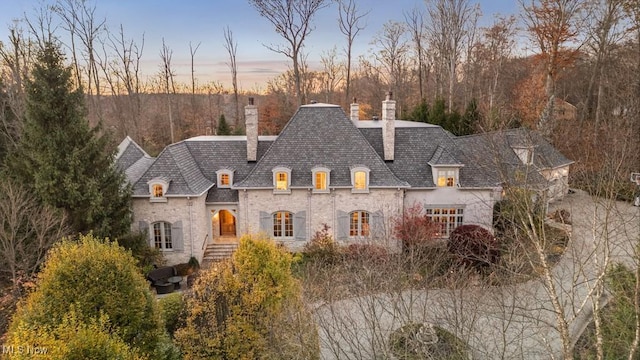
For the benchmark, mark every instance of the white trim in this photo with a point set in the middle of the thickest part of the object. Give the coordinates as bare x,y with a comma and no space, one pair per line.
219,174
277,170
354,170
327,172
158,182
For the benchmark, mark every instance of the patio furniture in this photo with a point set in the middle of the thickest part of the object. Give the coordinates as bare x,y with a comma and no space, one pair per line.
175,280
159,279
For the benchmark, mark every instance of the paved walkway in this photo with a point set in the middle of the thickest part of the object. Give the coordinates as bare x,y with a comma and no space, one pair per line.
510,322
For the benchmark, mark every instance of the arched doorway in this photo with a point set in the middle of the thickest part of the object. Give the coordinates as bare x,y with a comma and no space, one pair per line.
227,223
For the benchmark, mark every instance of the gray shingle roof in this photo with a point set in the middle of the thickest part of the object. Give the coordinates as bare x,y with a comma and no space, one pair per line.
320,134
416,147
132,159
190,166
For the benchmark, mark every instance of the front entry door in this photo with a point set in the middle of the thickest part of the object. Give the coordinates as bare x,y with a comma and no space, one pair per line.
227,223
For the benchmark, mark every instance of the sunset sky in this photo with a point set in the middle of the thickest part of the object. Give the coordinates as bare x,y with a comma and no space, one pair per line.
202,21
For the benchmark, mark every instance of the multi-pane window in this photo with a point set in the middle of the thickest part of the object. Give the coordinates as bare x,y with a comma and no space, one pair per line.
281,181
157,190
162,235
321,181
446,178
447,218
282,224
359,223
224,180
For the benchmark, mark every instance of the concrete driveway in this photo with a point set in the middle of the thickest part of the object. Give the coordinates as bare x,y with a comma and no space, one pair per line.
510,322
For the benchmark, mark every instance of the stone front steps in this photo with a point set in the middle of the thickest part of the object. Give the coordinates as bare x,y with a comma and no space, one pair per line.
218,252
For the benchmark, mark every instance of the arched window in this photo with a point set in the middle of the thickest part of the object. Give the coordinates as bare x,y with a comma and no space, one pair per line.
281,180
360,179
321,180
282,224
158,189
162,235
359,223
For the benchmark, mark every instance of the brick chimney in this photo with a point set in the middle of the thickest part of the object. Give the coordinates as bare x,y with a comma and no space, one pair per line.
355,111
388,126
251,128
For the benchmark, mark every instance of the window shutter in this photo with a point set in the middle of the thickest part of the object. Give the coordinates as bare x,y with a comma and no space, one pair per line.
266,223
300,226
342,230
176,236
377,225
143,227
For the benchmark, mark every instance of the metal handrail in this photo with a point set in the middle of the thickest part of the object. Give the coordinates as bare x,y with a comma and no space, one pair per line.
204,243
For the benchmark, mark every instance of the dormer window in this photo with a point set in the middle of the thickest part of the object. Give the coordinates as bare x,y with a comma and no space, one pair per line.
158,189
225,178
320,179
447,177
525,154
281,180
360,179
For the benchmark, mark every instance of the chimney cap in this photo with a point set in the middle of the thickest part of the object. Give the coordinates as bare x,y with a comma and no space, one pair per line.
389,95
251,100
313,102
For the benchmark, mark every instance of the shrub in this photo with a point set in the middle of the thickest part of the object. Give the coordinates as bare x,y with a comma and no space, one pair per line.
249,307
562,216
146,256
474,246
420,341
97,279
322,247
366,253
171,309
415,229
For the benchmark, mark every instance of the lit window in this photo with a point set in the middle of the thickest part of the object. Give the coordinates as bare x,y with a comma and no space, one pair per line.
321,180
282,224
158,191
162,235
224,179
447,218
281,181
359,223
360,180
446,178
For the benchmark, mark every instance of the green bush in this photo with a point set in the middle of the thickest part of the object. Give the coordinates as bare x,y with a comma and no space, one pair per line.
172,309
248,308
145,255
97,279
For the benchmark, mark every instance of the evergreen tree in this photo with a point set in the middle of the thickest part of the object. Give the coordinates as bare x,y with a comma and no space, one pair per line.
66,162
470,118
437,115
223,127
420,112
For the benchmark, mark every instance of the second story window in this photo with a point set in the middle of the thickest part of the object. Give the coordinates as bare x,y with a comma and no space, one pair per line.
360,179
158,189
225,178
282,180
446,178
320,179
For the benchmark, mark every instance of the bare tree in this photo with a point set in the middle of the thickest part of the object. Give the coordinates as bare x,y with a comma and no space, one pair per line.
168,82
80,21
292,21
232,47
331,70
415,22
393,48
350,20
192,52
448,27
27,231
